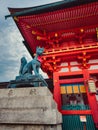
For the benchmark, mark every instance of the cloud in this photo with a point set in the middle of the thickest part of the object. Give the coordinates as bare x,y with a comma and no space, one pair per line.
11,46
11,51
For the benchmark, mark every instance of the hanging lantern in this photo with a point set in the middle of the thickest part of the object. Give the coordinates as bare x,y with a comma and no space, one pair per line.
92,85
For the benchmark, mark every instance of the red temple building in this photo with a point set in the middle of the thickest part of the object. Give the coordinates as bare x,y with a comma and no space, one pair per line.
69,33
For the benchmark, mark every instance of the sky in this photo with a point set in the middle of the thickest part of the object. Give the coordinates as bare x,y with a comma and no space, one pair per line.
11,46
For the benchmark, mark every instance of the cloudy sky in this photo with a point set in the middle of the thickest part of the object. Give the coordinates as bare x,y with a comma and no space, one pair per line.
11,47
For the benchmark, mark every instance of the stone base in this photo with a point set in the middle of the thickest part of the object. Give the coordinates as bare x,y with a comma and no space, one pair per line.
28,109
30,127
27,80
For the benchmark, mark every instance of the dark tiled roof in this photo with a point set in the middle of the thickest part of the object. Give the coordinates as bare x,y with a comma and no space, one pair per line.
47,7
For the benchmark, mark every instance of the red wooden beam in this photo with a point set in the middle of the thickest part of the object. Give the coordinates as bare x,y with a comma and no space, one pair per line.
76,112
93,71
76,80
70,73
56,95
86,28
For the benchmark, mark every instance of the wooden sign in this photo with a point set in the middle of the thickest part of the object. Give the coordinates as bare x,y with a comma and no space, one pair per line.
92,86
83,118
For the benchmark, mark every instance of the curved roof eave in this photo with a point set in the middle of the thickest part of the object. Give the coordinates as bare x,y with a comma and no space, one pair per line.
47,7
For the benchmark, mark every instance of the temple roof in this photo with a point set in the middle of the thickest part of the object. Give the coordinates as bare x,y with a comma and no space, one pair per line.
47,7
41,23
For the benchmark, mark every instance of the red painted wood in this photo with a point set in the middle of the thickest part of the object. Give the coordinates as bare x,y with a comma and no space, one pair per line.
66,81
70,73
67,23
56,94
94,107
91,98
76,112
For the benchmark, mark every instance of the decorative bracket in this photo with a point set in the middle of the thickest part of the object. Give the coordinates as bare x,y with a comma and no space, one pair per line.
84,60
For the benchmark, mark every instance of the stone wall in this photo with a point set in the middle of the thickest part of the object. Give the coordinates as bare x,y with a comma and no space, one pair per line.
28,109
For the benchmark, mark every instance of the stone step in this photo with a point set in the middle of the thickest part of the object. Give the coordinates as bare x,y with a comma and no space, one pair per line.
28,116
21,92
30,101
30,127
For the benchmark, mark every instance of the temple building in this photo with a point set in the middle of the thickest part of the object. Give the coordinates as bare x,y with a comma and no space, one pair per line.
68,30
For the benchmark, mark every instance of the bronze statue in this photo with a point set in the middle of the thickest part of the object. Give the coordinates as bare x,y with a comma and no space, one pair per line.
33,65
25,73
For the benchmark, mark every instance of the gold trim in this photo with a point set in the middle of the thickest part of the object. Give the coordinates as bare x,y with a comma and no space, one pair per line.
16,19
69,50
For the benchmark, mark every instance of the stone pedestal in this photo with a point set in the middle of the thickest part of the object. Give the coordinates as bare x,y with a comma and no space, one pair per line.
28,109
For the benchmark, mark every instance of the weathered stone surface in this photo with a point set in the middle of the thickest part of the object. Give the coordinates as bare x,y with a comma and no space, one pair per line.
33,127
22,92
30,127
28,116
11,127
28,109
33,102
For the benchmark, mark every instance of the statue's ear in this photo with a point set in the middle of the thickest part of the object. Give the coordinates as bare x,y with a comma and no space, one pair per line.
43,48
36,48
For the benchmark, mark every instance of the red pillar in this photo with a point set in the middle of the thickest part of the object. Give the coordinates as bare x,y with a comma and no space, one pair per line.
91,99
57,95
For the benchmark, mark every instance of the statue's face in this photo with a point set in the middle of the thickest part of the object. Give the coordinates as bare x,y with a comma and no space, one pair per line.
39,50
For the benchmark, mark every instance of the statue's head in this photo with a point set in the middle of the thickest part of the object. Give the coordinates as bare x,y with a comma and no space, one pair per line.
39,51
23,60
